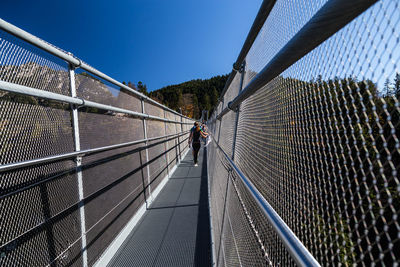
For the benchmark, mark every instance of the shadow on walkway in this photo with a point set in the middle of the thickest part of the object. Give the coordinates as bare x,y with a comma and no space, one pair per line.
175,230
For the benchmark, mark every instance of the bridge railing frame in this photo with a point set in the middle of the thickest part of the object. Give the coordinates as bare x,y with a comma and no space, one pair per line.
76,103
336,14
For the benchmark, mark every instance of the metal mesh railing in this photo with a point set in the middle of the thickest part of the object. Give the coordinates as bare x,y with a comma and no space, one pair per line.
80,154
318,139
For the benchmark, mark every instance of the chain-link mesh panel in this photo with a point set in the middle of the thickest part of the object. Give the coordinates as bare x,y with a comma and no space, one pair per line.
33,128
112,180
232,91
93,88
184,138
321,141
217,129
40,206
102,128
37,204
24,64
218,184
114,190
157,155
291,16
241,232
173,143
153,110
184,143
39,219
178,139
226,132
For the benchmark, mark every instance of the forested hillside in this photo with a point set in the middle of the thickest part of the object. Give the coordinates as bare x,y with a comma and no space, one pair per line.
192,96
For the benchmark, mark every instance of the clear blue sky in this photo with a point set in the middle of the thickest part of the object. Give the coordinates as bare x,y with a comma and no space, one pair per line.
159,42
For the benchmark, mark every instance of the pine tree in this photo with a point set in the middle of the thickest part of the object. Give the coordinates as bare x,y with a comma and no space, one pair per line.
196,110
214,96
142,88
207,102
396,89
179,99
387,89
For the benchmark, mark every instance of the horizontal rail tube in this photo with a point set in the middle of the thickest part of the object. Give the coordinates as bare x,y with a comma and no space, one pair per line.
68,57
22,164
258,23
333,16
298,251
66,210
30,38
121,85
20,89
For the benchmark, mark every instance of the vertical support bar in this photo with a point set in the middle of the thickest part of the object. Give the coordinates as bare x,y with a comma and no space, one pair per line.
166,144
176,148
75,123
220,120
181,131
147,154
176,143
179,140
242,71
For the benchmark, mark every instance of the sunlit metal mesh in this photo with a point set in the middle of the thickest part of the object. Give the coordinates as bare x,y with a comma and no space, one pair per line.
24,64
226,133
232,91
93,88
157,157
38,205
170,128
113,180
39,218
242,235
321,140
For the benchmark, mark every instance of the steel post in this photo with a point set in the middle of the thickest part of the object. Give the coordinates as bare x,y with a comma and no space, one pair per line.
75,122
179,140
166,145
237,110
146,153
220,120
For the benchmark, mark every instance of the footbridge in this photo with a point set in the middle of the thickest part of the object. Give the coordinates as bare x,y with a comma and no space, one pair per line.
302,168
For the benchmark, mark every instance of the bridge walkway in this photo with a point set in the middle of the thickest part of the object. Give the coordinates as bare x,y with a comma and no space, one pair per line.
175,229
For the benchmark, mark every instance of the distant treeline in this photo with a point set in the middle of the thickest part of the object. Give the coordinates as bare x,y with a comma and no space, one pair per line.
204,94
192,96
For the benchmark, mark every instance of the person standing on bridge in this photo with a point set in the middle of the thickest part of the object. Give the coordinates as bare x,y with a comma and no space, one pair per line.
204,130
194,140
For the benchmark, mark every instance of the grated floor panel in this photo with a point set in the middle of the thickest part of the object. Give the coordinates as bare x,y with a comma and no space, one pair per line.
175,230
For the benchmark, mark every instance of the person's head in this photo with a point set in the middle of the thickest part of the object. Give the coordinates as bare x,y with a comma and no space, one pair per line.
196,123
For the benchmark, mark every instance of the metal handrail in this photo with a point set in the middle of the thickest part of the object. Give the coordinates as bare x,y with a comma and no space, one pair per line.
258,23
85,152
77,154
20,89
73,206
68,57
294,246
262,15
333,16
